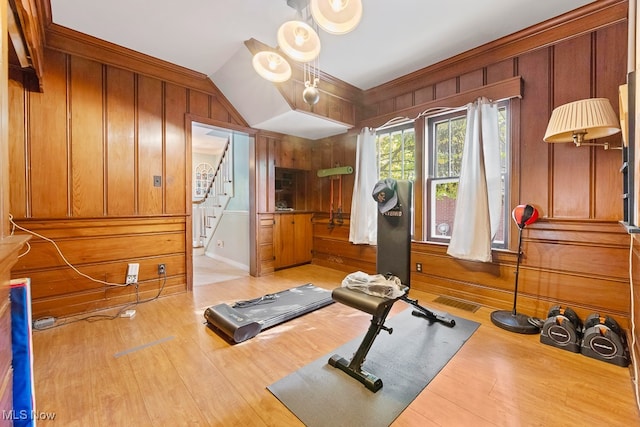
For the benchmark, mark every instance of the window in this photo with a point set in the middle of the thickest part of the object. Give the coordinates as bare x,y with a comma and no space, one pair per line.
396,152
204,176
445,135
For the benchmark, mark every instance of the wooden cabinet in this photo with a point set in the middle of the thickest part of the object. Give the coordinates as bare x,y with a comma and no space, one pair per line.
290,189
292,239
264,238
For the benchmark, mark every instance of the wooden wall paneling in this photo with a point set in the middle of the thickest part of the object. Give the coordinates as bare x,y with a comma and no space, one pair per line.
17,98
587,260
285,152
199,103
535,154
47,142
87,142
261,172
471,80
403,101
610,73
502,70
319,187
331,249
539,288
270,182
177,169
218,110
121,142
446,88
98,249
58,282
571,166
347,110
349,144
634,342
301,149
150,145
385,106
91,301
101,248
424,94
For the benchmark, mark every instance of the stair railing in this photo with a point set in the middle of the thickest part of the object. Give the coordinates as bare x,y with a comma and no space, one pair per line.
204,209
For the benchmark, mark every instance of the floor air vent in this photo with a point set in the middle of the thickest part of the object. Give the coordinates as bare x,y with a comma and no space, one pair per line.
464,305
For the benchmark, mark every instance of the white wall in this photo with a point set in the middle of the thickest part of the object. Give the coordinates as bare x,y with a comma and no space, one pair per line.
233,230
233,235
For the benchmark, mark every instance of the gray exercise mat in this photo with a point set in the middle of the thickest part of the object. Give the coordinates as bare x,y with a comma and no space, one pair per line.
406,361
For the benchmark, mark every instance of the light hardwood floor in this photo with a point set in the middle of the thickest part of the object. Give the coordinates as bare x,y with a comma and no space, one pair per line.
164,367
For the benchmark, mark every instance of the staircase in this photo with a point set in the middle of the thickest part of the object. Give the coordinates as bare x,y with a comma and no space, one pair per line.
207,211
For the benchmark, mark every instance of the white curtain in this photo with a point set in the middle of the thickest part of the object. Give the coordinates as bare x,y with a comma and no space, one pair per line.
479,201
363,228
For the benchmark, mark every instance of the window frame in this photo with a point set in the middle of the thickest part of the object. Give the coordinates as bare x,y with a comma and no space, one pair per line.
429,229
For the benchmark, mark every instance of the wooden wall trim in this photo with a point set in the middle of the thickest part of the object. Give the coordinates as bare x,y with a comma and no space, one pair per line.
510,88
575,23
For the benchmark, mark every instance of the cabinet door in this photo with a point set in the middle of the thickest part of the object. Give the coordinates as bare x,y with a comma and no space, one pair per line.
303,232
284,240
266,257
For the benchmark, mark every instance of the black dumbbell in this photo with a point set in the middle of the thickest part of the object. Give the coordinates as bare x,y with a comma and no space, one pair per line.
604,340
596,319
562,329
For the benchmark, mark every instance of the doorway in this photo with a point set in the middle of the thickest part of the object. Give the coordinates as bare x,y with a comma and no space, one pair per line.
220,229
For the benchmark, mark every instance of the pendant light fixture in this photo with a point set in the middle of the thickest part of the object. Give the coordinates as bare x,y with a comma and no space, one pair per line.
299,41
271,66
337,16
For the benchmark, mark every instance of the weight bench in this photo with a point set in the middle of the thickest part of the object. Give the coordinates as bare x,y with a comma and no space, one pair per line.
393,259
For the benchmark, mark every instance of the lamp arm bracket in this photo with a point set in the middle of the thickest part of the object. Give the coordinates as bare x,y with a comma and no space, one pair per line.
606,145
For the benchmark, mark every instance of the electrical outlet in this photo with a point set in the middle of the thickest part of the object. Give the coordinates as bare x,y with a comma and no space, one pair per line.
419,267
161,269
132,273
